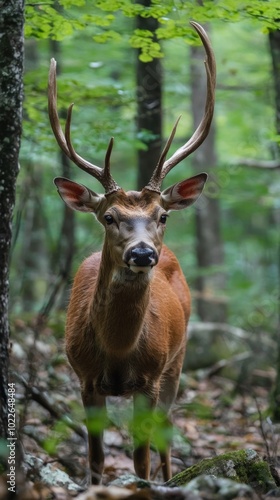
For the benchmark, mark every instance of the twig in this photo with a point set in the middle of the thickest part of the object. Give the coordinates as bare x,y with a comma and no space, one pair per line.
262,428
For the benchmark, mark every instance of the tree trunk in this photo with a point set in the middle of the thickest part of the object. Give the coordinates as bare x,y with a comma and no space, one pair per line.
11,88
274,40
209,245
149,106
30,262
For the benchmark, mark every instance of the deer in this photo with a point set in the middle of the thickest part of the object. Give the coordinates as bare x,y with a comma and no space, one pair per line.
130,303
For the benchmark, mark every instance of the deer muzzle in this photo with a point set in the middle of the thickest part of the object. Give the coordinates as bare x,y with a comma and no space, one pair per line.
141,258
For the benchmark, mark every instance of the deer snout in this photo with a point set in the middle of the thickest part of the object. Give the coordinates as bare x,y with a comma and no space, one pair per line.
141,258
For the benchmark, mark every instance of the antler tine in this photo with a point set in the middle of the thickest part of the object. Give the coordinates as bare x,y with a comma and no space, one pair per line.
64,141
203,128
166,148
108,155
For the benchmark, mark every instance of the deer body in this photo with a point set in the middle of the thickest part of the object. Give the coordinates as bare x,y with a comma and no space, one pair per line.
126,335
107,347
130,303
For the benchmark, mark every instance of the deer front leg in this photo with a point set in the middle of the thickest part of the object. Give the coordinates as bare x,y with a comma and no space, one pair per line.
143,423
95,441
141,460
168,393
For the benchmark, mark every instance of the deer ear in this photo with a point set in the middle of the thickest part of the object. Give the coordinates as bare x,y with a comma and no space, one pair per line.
184,193
77,196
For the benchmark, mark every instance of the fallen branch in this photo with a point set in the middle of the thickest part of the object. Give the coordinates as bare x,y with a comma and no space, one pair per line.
223,363
250,162
200,326
45,401
225,328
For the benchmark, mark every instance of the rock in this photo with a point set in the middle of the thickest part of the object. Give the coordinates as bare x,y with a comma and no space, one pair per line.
243,466
218,487
48,474
127,480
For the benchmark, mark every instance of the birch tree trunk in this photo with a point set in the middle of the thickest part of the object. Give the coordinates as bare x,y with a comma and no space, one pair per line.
11,95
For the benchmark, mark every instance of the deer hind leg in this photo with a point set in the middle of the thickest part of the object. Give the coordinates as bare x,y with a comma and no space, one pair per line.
168,393
95,441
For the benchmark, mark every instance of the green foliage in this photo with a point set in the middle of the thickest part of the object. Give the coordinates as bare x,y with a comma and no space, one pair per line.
144,424
143,39
150,425
107,36
97,420
200,410
64,18
60,433
45,21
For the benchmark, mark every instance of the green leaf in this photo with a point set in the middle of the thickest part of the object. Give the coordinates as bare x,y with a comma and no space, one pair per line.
107,36
144,57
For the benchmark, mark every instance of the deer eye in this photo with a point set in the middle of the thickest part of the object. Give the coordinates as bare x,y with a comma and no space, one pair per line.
109,219
163,218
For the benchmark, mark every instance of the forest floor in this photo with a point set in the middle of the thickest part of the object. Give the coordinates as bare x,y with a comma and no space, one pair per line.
212,415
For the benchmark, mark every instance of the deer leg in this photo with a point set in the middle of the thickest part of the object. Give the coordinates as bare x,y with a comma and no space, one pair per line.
141,460
142,435
168,392
167,396
95,441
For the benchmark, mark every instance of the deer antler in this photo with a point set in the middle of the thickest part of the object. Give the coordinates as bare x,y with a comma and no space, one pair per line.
103,175
200,134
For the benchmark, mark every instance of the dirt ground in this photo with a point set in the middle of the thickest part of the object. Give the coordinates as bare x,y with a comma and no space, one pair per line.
212,415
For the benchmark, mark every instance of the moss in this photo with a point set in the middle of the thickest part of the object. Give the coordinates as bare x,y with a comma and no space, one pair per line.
259,476
243,466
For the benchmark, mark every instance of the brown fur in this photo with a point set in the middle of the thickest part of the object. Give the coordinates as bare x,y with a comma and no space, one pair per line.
126,331
127,317
115,316
128,337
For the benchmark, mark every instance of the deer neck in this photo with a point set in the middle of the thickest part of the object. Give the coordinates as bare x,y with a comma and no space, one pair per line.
119,307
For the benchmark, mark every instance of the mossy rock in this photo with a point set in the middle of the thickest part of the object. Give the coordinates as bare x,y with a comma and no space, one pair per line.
243,466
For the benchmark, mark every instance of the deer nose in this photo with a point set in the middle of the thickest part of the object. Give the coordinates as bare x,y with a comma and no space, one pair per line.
143,256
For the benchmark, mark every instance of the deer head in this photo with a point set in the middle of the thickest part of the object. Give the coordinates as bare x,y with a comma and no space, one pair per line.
134,221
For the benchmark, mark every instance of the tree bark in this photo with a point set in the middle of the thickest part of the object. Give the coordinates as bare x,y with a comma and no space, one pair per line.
274,41
209,244
149,106
11,95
